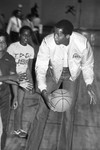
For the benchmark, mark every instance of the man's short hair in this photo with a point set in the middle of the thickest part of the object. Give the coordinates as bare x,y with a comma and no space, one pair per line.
66,26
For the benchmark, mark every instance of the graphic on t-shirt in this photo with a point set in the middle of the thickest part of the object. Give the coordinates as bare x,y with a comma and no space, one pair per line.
22,61
21,58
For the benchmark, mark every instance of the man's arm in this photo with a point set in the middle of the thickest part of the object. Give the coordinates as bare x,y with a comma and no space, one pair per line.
44,94
13,80
88,64
41,66
10,79
88,71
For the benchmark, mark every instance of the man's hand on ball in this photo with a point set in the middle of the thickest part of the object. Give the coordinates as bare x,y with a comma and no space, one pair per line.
45,97
91,94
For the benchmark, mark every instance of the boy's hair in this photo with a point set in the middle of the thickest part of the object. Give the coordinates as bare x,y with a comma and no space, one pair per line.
66,26
25,28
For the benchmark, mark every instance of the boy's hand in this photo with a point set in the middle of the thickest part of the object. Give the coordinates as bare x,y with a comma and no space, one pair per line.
26,85
45,97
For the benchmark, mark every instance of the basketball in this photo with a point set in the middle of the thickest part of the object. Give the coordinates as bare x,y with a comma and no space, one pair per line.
60,100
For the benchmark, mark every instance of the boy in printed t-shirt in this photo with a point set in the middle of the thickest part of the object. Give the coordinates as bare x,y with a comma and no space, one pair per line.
24,55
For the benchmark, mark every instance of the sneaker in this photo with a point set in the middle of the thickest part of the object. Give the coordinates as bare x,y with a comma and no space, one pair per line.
16,132
21,133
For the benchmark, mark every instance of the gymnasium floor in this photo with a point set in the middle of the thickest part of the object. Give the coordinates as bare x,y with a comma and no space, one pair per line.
86,135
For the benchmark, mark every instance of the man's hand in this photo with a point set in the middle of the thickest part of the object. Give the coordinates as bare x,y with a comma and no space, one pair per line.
45,97
14,77
91,94
22,76
18,77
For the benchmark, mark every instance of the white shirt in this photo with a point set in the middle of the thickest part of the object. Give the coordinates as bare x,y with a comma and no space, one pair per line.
65,63
80,58
14,24
22,54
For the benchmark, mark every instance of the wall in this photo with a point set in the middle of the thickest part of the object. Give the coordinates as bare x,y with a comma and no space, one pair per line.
54,10
90,16
7,6
87,13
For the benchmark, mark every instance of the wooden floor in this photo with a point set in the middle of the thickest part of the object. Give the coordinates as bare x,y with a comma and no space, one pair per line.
87,117
30,107
86,135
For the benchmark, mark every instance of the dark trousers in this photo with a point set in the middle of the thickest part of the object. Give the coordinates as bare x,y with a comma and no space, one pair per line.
14,36
39,123
5,113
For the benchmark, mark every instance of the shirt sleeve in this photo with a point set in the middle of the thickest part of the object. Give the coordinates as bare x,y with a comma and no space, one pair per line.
42,65
9,26
10,50
88,64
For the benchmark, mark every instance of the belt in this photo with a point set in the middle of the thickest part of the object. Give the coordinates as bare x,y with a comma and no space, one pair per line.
65,73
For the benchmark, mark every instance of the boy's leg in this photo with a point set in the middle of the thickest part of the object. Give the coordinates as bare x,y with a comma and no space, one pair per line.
19,110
